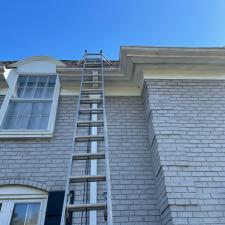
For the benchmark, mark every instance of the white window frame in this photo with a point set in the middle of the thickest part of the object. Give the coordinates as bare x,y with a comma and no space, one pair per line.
5,133
20,196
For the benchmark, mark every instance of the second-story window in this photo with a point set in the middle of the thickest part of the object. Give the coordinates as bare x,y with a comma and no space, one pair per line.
31,102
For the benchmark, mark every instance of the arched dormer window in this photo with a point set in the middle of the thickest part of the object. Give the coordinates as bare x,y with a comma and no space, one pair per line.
29,108
22,205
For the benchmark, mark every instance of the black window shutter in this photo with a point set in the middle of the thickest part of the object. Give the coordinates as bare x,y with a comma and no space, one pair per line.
54,208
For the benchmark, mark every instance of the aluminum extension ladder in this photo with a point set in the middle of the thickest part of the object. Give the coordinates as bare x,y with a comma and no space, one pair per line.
92,95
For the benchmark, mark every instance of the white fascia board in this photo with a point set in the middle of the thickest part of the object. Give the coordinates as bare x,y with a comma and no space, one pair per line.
172,50
109,91
188,71
151,55
185,76
74,74
172,63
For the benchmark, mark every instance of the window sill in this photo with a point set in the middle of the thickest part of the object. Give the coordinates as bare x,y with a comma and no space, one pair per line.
25,134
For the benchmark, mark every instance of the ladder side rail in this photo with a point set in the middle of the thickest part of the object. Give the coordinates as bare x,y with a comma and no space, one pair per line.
108,182
106,60
81,60
70,165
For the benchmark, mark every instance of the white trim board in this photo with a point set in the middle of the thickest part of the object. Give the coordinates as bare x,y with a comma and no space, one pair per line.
109,91
38,58
184,76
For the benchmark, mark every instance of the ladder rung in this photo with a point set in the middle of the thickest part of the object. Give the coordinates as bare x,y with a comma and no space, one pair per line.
99,54
82,207
92,91
93,59
89,138
87,178
90,100
91,111
92,68
92,82
93,63
90,123
89,156
92,75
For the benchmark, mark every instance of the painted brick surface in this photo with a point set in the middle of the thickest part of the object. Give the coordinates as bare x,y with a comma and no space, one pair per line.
186,120
41,160
43,163
133,186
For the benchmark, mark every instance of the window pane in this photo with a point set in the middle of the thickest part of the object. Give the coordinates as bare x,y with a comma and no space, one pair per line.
35,86
25,214
33,214
39,92
33,123
32,80
43,123
22,81
19,214
13,108
9,122
29,92
46,108
20,92
30,87
25,108
27,115
49,92
51,81
21,122
42,81
30,114
36,109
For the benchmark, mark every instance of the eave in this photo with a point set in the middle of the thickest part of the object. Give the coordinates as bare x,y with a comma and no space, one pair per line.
73,73
136,62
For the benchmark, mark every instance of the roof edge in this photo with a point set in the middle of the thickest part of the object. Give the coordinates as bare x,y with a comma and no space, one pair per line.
38,58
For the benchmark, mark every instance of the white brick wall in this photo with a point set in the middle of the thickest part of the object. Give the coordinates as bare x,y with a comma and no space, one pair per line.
41,160
43,163
133,184
187,121
181,168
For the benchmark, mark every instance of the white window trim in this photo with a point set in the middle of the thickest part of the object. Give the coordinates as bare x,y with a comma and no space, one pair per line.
30,133
18,194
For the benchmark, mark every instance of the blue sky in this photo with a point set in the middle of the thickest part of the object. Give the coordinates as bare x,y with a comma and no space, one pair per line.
64,29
